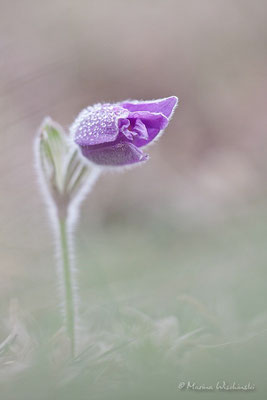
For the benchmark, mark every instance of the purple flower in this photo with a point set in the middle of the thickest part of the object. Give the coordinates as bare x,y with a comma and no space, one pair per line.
113,134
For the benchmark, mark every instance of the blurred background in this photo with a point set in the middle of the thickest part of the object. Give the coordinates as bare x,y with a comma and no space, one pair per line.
180,241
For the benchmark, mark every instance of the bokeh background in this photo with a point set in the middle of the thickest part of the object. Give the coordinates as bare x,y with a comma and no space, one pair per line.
173,253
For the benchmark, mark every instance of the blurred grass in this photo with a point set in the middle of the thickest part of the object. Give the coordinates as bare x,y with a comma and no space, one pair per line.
161,303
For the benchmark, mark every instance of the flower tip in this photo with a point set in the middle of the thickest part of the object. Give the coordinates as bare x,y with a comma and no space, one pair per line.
172,102
175,100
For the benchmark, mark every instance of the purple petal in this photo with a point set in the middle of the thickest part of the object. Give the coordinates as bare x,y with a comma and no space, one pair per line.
164,106
154,124
123,127
140,130
98,124
120,154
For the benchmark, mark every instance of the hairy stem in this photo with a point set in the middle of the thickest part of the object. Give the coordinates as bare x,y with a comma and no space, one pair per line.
67,212
68,285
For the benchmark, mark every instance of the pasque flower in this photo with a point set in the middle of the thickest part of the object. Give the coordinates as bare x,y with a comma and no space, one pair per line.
113,135
109,135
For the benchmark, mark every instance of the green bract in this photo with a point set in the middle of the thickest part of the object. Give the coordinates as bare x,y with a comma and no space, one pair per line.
62,168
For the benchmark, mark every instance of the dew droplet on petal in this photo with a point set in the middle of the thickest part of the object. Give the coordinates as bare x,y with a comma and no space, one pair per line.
98,124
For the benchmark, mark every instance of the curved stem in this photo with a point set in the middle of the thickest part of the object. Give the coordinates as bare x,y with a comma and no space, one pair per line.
68,285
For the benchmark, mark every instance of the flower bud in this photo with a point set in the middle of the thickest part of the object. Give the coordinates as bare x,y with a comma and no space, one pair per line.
62,170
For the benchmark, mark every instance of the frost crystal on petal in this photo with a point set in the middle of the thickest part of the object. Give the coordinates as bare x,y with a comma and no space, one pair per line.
97,124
